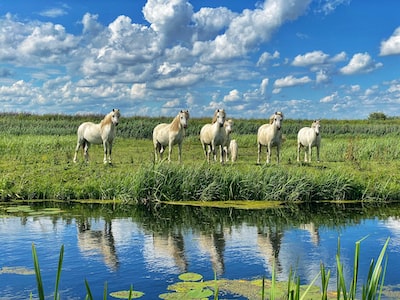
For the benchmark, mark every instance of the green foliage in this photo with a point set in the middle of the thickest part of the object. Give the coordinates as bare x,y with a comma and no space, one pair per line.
142,127
377,116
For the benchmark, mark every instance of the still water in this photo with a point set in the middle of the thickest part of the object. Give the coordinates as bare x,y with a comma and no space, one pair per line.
149,247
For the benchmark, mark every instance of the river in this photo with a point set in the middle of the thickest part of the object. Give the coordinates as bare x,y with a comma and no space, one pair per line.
149,247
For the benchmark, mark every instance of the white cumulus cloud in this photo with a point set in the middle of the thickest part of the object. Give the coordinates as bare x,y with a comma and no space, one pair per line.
309,59
360,63
329,98
391,46
290,80
234,95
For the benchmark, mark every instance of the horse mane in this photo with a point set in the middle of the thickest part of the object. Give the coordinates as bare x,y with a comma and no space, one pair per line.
107,119
214,119
271,118
176,124
315,122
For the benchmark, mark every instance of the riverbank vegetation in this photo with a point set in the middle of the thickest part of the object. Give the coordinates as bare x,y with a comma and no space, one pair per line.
359,161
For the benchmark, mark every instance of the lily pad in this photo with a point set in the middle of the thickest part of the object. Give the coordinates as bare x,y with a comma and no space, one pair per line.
17,270
199,294
190,277
19,209
125,294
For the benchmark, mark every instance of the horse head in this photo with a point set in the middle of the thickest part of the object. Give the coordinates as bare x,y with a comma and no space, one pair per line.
276,119
184,117
219,117
115,114
316,126
228,126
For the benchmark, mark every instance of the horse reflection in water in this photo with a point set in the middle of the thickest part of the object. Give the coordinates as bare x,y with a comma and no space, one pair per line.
214,245
95,242
167,246
269,241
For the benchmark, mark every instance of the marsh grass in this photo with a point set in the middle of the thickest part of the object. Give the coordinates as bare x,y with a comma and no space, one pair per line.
40,167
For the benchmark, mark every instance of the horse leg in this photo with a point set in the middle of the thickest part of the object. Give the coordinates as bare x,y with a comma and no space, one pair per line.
76,150
214,152
180,152
309,153
305,154
268,153
209,152
221,154
278,148
317,153
169,152
157,150
109,152
86,150
258,153
204,146
105,145
298,152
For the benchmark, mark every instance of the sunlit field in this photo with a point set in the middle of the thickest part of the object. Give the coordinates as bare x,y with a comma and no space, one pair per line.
38,165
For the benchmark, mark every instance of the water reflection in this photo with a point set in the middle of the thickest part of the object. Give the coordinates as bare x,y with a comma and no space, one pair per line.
213,244
166,251
269,242
97,241
154,242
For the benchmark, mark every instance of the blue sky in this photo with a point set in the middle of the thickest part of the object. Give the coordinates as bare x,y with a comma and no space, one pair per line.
332,59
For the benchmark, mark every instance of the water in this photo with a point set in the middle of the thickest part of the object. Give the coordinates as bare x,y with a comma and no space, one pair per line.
149,248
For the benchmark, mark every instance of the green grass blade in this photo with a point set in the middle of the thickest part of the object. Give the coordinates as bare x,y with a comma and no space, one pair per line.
272,292
309,286
375,276
130,292
89,295
37,272
105,291
353,286
263,288
216,290
289,286
60,261
325,276
383,278
341,282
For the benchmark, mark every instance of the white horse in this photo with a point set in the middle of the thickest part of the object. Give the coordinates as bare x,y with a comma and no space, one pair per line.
270,135
170,134
233,150
228,125
102,133
214,135
309,137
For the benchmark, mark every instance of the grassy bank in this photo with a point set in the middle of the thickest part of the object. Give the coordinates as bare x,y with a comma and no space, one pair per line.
40,167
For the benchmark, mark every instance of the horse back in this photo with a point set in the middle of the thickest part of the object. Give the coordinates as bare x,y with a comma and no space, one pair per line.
206,134
266,134
307,136
90,132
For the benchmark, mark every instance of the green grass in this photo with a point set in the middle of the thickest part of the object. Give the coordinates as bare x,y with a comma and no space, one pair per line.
359,160
41,167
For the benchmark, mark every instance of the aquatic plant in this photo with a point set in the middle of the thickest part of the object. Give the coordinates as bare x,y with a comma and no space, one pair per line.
193,287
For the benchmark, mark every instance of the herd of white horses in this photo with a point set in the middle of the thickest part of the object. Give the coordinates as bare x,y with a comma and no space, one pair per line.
213,136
